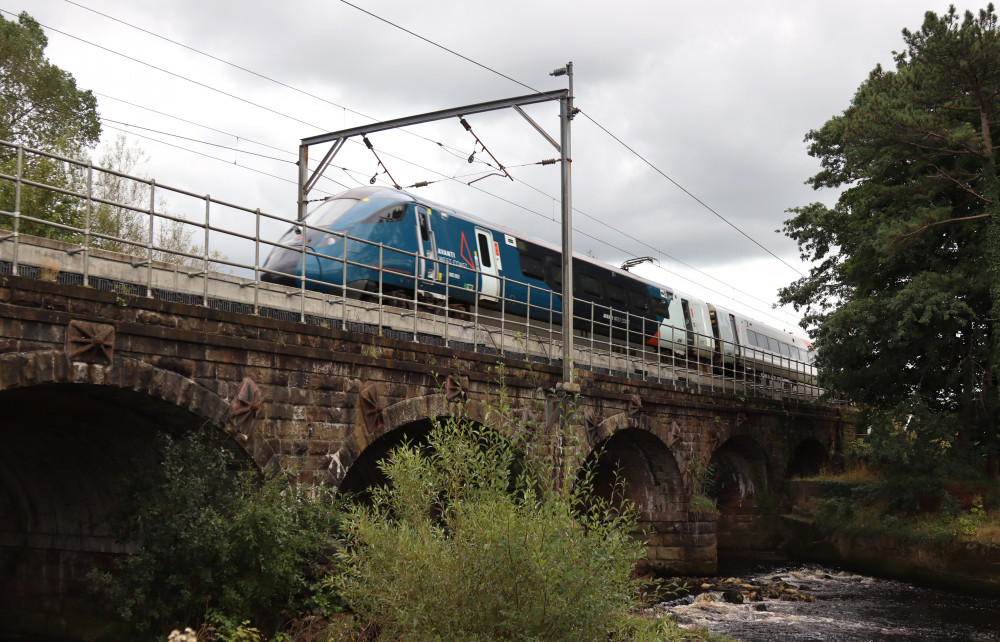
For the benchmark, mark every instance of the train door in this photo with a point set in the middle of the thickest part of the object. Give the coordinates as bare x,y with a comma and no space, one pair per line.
688,325
427,265
673,328
701,326
489,285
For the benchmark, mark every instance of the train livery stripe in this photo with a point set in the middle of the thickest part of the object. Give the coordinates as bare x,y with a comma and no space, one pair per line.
466,253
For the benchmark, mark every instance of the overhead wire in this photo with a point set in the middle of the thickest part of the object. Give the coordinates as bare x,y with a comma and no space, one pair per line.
196,140
222,160
591,119
191,122
443,176
688,192
236,66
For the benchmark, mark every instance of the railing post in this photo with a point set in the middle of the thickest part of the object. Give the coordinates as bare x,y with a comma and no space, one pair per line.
256,264
475,309
591,351
503,311
208,210
149,241
416,289
302,272
527,321
343,277
87,222
447,308
15,265
552,319
381,301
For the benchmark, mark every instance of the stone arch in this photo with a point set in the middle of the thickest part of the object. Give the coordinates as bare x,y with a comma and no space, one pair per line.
808,458
45,367
627,446
622,421
378,437
24,369
72,432
737,480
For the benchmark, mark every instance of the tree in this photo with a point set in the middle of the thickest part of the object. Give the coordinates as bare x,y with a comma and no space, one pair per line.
904,297
41,108
40,104
120,221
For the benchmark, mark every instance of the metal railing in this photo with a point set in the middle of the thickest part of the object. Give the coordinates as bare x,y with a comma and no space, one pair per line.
74,222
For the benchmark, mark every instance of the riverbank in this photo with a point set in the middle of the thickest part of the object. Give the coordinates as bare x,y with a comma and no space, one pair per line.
884,546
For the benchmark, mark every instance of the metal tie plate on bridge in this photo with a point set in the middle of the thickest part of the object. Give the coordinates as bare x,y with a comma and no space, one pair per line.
246,405
90,342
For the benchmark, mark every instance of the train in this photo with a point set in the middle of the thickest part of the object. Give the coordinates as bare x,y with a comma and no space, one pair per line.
429,252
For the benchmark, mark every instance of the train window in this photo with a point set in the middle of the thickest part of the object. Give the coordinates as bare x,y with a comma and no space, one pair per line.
785,349
485,254
773,344
532,267
422,220
753,338
660,308
326,214
616,294
589,285
638,301
391,214
553,273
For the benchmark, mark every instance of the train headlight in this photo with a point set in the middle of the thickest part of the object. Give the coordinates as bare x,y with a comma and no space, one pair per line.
331,238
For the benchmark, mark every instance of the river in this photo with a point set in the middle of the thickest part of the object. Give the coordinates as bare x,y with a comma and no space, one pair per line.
847,607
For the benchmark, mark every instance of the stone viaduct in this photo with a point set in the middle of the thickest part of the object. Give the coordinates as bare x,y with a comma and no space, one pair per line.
89,378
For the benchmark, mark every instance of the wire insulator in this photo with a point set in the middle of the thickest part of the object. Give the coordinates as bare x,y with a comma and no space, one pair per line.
549,161
465,124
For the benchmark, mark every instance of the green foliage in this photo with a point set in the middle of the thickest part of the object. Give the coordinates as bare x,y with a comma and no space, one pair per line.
219,627
472,541
40,105
969,523
213,534
903,295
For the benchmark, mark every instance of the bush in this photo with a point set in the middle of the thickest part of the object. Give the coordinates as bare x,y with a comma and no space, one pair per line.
217,537
469,542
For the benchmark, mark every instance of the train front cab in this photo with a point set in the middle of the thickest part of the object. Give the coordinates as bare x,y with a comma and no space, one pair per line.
347,229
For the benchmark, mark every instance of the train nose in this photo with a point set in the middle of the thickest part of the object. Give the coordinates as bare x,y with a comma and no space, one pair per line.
282,264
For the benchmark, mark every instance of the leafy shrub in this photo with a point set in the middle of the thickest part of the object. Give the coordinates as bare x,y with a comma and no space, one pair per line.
215,536
470,542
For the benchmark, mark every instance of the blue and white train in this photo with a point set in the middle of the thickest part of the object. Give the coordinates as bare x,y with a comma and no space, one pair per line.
433,253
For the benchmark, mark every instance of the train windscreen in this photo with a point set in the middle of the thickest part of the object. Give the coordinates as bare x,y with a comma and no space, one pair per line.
344,211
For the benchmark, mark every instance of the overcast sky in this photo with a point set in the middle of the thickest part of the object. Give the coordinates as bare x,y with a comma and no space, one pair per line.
714,97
